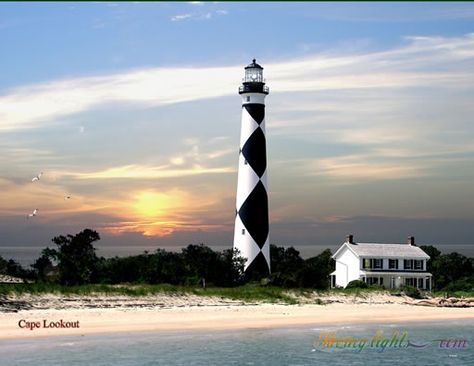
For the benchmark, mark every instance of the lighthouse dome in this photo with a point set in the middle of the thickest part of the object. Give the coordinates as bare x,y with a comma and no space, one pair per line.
254,65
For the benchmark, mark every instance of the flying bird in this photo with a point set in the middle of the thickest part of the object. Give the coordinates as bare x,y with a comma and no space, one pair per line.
67,198
34,213
37,177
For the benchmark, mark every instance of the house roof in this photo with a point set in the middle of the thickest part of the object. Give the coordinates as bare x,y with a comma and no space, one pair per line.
385,250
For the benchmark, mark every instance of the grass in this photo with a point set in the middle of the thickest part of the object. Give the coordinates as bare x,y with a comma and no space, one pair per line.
92,289
248,292
457,294
358,292
251,292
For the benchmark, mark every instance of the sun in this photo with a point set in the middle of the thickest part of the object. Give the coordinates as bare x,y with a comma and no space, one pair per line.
152,205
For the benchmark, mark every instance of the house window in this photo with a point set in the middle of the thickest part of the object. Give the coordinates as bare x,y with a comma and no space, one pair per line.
418,265
372,263
378,263
409,281
372,280
420,282
408,264
366,263
393,264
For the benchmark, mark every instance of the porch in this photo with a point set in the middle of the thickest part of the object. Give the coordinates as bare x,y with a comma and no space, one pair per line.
393,280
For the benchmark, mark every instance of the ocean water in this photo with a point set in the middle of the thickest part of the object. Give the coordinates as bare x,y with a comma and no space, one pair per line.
435,343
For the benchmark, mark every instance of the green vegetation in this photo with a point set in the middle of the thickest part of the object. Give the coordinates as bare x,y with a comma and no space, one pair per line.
451,272
74,268
458,294
411,291
248,293
14,269
251,292
74,262
91,289
357,284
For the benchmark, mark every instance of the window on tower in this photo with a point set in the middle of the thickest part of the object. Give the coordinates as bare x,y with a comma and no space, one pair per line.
248,99
243,231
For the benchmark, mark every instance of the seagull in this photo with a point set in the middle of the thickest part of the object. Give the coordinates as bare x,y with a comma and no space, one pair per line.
37,177
34,213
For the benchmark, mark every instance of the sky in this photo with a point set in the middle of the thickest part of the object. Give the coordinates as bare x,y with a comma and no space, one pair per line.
132,110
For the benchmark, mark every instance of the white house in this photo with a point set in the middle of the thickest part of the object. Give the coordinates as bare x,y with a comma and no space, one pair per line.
388,265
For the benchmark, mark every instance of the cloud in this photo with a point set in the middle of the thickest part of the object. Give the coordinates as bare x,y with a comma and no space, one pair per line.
390,12
353,168
144,172
415,65
196,16
339,118
180,17
147,211
164,212
200,14
20,198
45,103
15,152
157,228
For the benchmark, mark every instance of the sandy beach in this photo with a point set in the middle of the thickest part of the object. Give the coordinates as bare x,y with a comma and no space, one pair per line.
74,315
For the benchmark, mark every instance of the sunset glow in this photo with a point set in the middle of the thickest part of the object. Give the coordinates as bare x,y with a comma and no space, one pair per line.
153,205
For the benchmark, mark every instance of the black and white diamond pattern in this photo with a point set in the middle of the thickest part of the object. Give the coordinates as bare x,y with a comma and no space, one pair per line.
254,151
251,221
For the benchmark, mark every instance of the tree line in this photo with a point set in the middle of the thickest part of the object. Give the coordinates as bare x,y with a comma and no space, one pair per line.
74,262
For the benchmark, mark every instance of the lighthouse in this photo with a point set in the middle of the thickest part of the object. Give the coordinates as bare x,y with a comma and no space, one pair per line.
251,231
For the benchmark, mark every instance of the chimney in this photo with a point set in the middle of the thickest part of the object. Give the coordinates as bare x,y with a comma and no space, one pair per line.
350,239
411,240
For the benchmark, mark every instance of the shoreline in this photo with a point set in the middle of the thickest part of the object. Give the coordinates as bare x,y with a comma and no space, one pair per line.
217,318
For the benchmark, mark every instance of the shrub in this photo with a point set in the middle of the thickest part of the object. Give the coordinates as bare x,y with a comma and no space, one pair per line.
411,291
357,284
463,284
